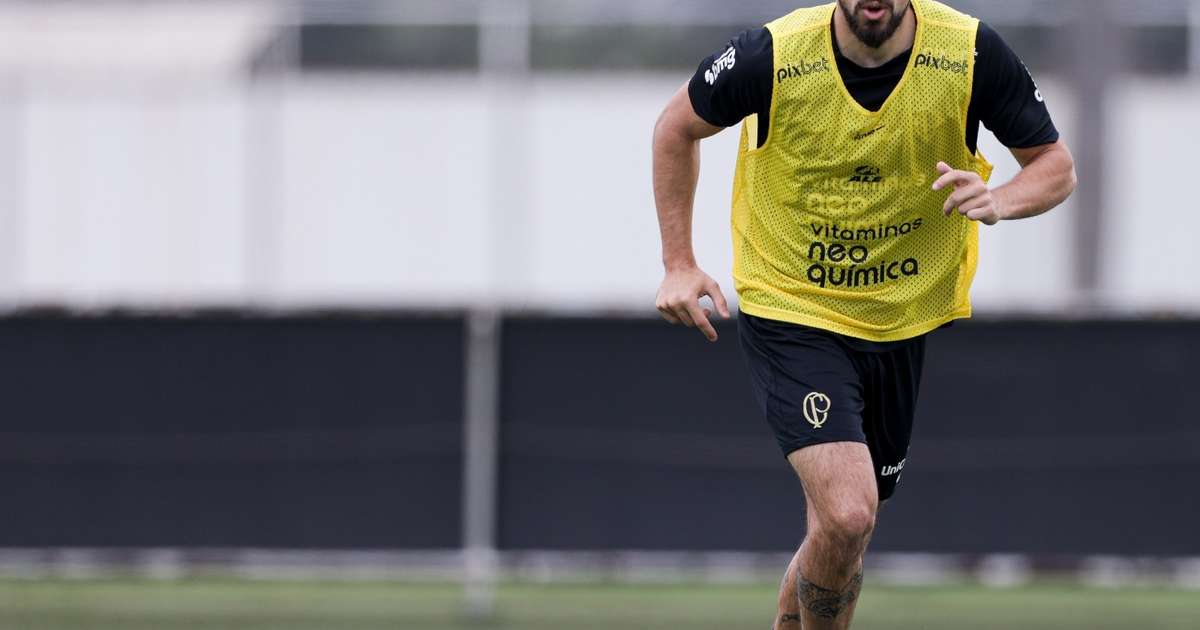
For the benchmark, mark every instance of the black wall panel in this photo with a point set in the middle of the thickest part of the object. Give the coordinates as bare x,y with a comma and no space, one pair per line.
1068,437
267,432
345,432
635,435
1048,438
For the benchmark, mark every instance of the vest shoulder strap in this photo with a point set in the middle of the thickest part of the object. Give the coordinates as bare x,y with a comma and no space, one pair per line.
801,20
945,16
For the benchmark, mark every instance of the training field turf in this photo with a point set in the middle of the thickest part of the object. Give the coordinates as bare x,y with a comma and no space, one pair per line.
234,605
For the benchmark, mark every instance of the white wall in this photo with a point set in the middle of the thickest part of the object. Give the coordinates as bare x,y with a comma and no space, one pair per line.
1150,253
128,198
420,191
385,193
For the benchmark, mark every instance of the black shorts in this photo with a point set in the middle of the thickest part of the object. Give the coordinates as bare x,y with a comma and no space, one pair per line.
818,387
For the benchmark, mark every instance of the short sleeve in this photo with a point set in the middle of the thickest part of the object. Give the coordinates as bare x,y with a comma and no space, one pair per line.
735,81
1006,96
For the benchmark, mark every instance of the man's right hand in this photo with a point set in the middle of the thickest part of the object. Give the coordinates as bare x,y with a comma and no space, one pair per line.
679,299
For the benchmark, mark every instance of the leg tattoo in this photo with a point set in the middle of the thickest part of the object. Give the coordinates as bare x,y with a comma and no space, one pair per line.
824,602
786,619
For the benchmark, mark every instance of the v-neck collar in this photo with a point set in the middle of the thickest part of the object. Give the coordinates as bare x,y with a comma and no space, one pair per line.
834,53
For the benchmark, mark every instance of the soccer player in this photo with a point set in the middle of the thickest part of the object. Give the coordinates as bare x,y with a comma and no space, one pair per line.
856,208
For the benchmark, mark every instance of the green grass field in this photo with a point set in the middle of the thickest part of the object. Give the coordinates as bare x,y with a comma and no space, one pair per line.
195,605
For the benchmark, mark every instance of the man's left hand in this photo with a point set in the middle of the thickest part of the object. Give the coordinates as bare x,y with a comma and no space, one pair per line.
971,197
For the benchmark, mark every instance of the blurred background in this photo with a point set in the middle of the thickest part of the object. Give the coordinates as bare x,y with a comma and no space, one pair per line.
339,314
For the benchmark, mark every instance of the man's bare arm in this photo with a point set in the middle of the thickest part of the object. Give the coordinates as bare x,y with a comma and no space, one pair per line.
1047,179
677,137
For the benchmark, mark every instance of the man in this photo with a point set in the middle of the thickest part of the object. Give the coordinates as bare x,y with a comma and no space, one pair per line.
856,205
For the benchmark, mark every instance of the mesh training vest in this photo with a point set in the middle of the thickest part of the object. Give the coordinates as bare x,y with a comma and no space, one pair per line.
835,223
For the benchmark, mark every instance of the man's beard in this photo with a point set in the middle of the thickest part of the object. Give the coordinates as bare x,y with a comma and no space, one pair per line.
871,34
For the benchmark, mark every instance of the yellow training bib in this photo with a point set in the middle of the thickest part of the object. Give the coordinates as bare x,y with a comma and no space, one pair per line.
835,223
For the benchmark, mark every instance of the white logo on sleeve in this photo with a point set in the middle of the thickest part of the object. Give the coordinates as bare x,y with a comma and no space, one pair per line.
723,63
1037,92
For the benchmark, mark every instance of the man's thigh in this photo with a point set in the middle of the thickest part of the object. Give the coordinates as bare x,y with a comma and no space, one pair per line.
838,478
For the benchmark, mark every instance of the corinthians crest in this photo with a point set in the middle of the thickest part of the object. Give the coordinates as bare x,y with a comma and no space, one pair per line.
816,409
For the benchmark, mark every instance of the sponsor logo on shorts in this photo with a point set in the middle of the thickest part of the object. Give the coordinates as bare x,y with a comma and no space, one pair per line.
888,471
816,409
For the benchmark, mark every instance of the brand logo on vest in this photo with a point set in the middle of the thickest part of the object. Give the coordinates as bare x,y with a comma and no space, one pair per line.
723,63
866,174
816,409
941,62
802,70
862,135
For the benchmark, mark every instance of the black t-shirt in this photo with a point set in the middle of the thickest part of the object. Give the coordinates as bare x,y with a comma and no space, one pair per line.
1004,97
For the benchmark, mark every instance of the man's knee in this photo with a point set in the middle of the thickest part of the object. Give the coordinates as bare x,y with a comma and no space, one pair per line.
848,525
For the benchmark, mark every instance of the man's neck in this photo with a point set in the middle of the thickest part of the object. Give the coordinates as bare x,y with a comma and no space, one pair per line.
863,55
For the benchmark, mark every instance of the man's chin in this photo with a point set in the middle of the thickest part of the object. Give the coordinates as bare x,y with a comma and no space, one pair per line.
873,37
